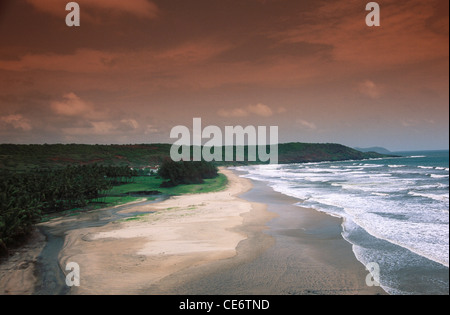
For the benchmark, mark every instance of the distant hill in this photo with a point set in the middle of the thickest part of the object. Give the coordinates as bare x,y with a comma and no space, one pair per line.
380,150
23,157
26,157
318,152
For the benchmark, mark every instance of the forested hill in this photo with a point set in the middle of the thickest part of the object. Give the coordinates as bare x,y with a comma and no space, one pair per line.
319,152
26,157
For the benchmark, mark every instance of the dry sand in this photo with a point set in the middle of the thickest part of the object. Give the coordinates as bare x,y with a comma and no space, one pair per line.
307,256
215,243
184,232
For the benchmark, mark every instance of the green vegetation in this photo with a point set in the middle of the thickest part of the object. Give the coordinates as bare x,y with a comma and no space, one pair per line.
153,183
107,201
310,152
186,172
25,157
38,181
28,157
29,197
210,185
26,197
135,218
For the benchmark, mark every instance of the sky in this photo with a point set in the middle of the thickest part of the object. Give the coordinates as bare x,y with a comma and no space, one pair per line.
135,69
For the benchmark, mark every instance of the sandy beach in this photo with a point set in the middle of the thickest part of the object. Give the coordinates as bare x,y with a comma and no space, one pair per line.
133,257
307,256
246,239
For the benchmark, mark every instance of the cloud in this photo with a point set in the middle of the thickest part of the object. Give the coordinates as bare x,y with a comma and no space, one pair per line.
151,129
103,128
306,124
409,122
193,51
138,8
92,61
236,112
71,105
370,89
258,109
81,61
404,37
17,121
281,110
93,128
83,118
129,124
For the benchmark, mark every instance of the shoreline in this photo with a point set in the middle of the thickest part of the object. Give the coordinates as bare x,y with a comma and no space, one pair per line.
183,233
186,246
146,245
307,255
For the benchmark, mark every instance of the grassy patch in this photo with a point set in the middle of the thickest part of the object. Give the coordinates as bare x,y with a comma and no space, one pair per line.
109,201
144,183
210,185
153,183
135,218
141,183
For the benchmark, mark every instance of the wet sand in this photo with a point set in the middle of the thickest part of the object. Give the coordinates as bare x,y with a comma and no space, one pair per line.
216,243
182,234
18,271
305,255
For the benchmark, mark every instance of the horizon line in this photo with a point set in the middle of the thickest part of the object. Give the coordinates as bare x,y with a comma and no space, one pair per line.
163,143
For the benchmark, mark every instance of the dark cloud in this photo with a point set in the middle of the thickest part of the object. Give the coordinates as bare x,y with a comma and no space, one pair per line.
261,48
132,71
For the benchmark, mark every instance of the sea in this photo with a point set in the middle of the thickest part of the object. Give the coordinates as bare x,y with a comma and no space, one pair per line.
395,212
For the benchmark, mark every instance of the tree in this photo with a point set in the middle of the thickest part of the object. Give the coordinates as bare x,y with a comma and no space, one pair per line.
186,172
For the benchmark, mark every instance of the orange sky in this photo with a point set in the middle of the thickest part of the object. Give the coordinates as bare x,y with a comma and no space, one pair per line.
134,69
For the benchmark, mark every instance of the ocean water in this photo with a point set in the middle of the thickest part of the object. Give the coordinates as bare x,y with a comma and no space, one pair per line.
395,211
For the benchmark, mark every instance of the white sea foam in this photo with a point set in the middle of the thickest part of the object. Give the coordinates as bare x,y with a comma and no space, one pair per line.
438,176
374,197
438,197
432,186
380,194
